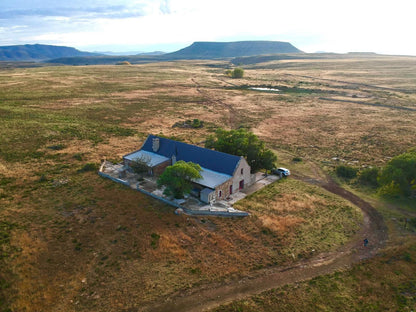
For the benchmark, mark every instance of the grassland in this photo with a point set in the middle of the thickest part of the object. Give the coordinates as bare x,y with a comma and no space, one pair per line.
72,241
358,289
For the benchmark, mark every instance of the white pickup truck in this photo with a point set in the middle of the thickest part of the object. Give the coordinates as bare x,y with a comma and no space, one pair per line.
283,172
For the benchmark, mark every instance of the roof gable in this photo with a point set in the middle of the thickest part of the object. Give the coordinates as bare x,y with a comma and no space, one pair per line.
210,159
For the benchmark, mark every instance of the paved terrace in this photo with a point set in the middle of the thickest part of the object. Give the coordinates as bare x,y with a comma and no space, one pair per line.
191,204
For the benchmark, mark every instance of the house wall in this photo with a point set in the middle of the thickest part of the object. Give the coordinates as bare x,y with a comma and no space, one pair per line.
238,176
225,190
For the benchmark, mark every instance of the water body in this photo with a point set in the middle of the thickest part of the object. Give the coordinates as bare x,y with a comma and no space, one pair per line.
264,89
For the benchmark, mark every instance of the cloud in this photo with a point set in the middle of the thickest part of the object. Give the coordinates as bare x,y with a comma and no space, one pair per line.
92,12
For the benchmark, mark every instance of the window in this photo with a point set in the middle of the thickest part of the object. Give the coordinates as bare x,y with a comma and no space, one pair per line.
219,194
242,170
231,189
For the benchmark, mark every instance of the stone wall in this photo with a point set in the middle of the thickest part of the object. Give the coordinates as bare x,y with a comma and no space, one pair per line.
225,190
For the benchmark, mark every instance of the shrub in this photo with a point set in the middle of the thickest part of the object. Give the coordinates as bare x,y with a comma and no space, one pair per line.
237,73
346,172
390,190
140,165
296,159
89,167
399,175
196,123
369,177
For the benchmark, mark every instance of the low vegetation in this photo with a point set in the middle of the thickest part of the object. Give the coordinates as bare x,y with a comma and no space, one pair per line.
302,219
346,172
235,73
385,283
140,165
398,177
195,123
116,249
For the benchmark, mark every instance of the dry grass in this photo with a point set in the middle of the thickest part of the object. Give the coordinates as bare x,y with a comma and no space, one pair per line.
86,244
385,283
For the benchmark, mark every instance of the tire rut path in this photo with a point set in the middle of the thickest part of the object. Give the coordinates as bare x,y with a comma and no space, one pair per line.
210,296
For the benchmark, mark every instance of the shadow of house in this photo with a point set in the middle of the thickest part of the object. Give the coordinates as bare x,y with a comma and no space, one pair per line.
222,174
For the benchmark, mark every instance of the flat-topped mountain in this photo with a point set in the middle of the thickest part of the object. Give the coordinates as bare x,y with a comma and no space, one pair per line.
38,52
212,50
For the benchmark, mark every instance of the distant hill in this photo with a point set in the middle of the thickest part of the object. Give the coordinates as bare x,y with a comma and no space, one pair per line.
38,52
213,50
198,50
130,53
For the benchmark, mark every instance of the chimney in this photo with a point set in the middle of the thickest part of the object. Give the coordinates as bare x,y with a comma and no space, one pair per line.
155,144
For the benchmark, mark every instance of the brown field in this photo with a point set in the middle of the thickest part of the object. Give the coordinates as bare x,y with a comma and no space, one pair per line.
72,241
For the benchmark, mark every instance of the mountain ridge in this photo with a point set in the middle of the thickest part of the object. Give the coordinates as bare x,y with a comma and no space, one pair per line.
38,52
215,49
197,50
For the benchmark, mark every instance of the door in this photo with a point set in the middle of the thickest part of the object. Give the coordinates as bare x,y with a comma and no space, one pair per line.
231,189
241,184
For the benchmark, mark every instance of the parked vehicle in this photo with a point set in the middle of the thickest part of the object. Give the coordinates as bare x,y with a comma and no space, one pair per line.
283,172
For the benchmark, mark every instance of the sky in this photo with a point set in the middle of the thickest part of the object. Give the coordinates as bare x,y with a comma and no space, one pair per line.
386,27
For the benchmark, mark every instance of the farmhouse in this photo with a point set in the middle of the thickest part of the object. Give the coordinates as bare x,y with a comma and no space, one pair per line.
222,174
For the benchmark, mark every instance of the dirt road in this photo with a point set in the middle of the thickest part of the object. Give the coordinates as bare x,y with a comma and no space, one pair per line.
207,297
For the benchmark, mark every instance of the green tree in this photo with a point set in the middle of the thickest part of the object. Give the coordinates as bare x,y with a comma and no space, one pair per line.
243,143
398,177
237,73
177,178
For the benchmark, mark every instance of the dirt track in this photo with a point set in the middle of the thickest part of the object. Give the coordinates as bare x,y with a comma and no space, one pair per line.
207,297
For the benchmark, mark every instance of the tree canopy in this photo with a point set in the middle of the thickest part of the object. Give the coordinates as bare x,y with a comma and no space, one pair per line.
140,165
243,143
398,177
235,73
177,178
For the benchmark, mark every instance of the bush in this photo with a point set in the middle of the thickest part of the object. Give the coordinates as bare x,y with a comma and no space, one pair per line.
235,73
196,123
89,167
296,159
238,73
391,190
369,177
398,177
346,172
140,165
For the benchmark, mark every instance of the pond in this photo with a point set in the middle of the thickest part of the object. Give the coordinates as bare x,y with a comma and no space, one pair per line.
264,89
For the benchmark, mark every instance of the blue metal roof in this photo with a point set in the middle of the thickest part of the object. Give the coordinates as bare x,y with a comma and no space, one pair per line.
210,159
